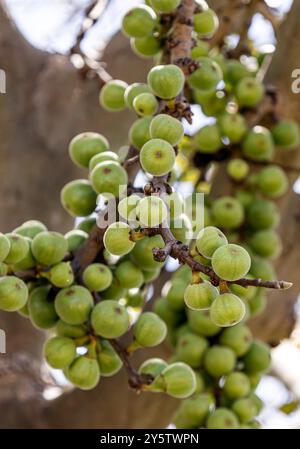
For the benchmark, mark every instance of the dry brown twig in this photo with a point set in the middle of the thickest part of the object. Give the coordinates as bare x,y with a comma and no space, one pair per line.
87,67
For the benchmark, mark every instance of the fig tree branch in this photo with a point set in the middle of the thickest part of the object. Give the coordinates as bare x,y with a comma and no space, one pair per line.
135,380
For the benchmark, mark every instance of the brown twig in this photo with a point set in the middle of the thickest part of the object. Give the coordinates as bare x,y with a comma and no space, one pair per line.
135,380
90,68
227,18
180,252
269,14
242,47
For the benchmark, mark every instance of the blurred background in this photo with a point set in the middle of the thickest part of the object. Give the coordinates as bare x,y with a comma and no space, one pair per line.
45,105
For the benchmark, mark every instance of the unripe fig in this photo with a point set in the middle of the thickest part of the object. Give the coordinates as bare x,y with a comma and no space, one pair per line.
166,81
97,277
245,293
87,224
168,128
237,385
164,6
151,211
249,92
59,352
212,102
258,358
75,239
129,275
257,401
238,169
262,214
145,104
149,330
49,248
200,296
127,207
208,139
286,134
18,248
244,197
184,273
139,132
109,361
73,304
84,146
258,144
157,157
30,228
117,239
219,361
109,177
235,71
175,203
139,21
153,367
272,181
69,330
200,323
228,212
135,299
145,47
13,293
206,23
110,319
201,49
142,254
238,338
170,316
209,240
178,380
61,275
133,90
254,378
245,409
266,243
27,262
115,291
222,418
231,262
112,95
4,247
79,198
207,76
193,412
263,269
175,294
190,349
227,310
101,157
233,126
3,269
84,372
258,303
181,228
41,309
